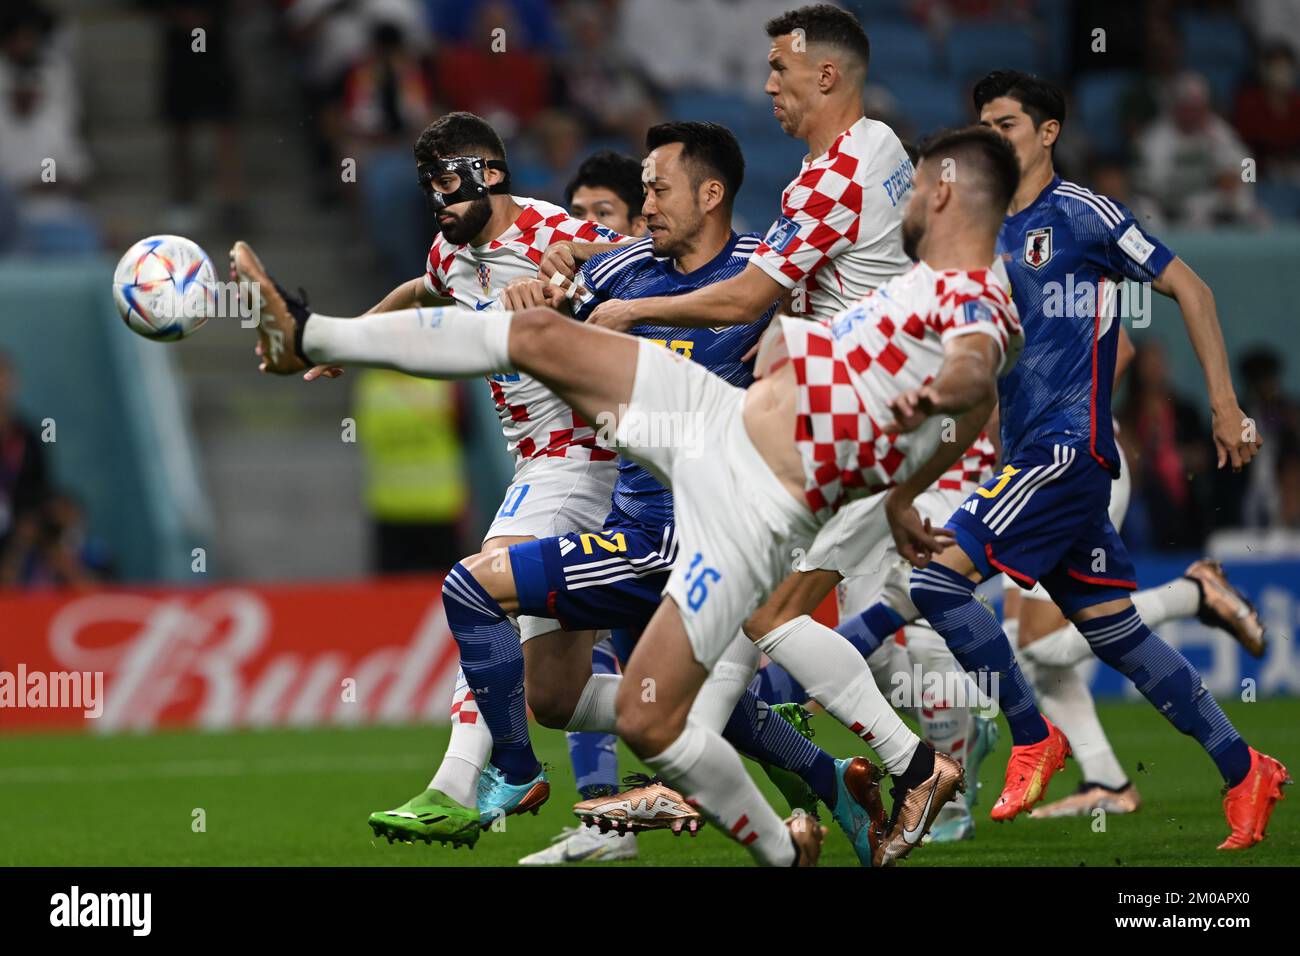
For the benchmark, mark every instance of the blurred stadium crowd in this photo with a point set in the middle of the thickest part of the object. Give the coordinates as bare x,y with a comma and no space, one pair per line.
1164,103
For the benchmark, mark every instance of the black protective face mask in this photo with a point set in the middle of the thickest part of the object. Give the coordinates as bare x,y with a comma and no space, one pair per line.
469,172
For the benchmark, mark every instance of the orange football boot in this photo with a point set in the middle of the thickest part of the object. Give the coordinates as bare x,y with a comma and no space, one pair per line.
1030,768
1250,803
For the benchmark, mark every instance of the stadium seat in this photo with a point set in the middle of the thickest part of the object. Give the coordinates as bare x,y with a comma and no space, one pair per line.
897,47
1214,40
929,102
1096,103
975,48
741,114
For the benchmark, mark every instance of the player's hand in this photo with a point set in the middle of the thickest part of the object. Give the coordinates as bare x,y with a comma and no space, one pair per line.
319,371
913,537
911,409
1236,437
524,293
617,314
559,257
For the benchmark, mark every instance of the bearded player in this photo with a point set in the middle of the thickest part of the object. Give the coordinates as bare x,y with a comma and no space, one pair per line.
784,455
562,479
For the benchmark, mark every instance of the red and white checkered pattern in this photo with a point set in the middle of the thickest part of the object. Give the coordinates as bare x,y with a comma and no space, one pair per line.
841,234
850,368
534,422
972,469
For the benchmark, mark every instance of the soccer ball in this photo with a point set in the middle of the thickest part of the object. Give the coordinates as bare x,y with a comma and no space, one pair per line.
165,288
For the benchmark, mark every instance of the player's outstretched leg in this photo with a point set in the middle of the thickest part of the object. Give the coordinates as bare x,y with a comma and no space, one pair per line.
1165,677
945,595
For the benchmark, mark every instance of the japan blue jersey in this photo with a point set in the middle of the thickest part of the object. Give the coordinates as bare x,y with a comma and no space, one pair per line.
1067,254
633,271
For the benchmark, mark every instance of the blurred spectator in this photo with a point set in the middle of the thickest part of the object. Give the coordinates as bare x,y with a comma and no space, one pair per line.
530,22
55,550
411,431
1165,445
548,157
504,82
387,100
1189,162
333,36
1271,496
43,160
24,482
1274,21
199,89
1268,115
598,82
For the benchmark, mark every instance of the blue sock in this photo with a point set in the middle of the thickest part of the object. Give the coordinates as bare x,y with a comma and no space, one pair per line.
774,684
1171,683
947,600
868,630
493,662
595,755
758,733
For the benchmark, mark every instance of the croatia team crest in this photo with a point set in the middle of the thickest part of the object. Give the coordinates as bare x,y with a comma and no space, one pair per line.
485,277
1038,247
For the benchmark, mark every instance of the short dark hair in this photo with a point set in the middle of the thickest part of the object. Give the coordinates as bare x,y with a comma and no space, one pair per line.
459,134
988,154
823,23
710,149
616,172
1041,99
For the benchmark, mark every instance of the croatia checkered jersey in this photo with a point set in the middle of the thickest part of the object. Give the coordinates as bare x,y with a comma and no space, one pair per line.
892,340
633,271
535,423
840,231
1067,254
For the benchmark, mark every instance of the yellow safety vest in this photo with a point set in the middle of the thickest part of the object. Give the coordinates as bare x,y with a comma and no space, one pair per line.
406,427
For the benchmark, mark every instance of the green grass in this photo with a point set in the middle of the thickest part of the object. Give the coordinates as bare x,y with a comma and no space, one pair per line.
288,797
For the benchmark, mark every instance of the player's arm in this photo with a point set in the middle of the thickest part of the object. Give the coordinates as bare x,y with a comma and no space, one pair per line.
1124,352
736,301
566,256
1235,436
965,387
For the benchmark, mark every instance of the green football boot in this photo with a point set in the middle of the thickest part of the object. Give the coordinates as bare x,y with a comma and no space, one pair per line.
430,816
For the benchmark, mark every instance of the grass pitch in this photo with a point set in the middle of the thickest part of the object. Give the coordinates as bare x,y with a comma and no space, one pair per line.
284,797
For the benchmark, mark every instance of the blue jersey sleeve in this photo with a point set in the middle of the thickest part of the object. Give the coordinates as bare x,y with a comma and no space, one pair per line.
600,277
1134,252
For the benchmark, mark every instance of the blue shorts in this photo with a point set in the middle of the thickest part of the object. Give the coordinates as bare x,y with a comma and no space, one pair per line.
611,578
1044,518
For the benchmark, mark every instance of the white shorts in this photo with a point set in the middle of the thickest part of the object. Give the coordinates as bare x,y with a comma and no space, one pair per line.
857,541
554,496
1121,489
737,525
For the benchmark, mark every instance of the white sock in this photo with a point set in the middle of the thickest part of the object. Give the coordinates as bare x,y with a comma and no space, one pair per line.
706,769
725,684
835,675
467,753
945,723
448,342
1064,697
595,707
1179,598
1063,647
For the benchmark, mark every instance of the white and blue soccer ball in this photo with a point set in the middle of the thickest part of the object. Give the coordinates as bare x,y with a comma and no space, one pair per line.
165,288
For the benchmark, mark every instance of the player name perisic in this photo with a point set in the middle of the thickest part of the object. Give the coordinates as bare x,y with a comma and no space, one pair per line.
80,690
75,908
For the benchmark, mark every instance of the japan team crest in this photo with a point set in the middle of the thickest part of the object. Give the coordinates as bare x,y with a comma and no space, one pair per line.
1038,247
